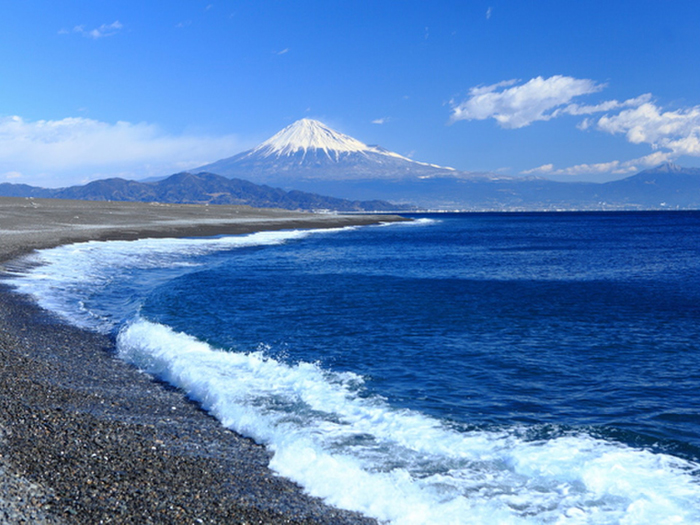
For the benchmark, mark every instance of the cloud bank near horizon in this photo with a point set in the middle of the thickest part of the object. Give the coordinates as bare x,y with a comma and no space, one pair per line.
514,104
75,150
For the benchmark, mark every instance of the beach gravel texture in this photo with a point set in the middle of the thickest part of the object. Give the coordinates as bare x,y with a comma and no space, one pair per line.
85,437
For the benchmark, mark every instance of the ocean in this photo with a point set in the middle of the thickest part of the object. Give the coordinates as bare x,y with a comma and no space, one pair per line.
460,368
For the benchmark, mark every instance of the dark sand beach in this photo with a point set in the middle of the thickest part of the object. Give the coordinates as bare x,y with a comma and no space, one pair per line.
86,438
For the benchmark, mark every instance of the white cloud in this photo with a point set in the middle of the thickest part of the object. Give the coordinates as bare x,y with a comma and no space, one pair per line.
99,32
545,168
72,150
677,131
382,120
615,167
670,134
602,107
515,106
488,13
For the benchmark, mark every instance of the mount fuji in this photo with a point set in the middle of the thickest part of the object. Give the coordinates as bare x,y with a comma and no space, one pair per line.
308,166
308,150
310,156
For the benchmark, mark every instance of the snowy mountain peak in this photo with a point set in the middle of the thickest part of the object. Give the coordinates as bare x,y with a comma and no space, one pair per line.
307,134
310,150
668,167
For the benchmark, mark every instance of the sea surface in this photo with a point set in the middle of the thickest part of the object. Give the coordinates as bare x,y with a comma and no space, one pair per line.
461,368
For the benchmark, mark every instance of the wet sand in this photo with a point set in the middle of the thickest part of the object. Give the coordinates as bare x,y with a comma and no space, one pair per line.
86,438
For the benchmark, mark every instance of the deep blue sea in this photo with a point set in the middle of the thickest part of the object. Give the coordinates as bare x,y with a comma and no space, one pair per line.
461,368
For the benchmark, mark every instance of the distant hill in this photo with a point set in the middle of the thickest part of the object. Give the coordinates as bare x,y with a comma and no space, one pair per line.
667,186
22,190
199,188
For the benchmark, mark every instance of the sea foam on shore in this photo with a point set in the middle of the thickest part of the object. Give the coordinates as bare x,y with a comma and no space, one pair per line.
86,438
353,449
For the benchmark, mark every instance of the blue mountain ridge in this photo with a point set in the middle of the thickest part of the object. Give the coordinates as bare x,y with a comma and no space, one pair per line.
667,186
199,188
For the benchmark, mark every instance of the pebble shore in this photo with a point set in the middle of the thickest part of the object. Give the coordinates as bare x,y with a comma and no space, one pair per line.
87,439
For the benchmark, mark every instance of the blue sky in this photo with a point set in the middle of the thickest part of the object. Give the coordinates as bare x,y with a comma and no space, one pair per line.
568,90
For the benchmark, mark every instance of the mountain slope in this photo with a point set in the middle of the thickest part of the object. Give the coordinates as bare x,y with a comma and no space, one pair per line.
114,189
666,185
308,150
23,190
200,188
312,157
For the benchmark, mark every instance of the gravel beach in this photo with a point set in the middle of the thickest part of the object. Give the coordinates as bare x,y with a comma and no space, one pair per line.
86,438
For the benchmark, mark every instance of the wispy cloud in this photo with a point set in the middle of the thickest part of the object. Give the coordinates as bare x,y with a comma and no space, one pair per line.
677,131
72,150
382,120
99,32
516,105
608,105
615,167
670,134
488,13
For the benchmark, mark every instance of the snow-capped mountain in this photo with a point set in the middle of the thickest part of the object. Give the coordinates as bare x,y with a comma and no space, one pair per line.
308,150
307,134
311,157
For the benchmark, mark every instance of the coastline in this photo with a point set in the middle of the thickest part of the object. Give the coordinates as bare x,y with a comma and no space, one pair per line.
85,437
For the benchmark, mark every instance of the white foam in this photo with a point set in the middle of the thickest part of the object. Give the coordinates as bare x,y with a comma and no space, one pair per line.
423,221
65,279
355,451
402,467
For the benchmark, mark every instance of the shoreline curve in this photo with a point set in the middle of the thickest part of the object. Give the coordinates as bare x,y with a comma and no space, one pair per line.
87,438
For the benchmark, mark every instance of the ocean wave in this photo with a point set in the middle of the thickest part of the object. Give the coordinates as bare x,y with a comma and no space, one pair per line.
338,441
422,221
99,284
402,467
